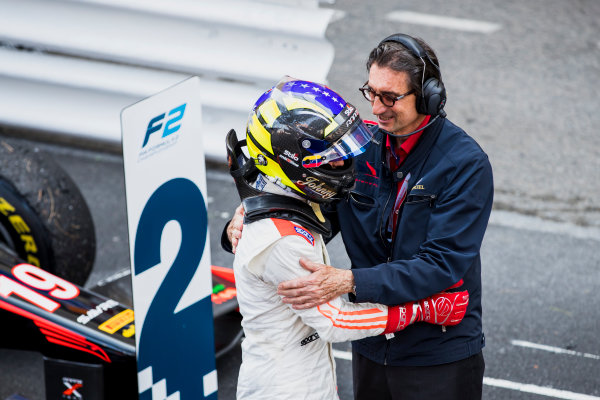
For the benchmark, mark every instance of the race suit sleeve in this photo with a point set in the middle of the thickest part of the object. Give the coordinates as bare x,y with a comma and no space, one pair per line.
336,321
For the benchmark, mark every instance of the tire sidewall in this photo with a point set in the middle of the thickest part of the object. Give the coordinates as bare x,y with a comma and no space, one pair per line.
22,229
53,211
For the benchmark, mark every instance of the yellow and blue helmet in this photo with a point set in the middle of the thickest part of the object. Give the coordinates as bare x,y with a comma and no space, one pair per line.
296,129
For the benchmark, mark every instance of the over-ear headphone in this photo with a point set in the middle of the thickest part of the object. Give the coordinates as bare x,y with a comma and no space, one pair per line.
433,93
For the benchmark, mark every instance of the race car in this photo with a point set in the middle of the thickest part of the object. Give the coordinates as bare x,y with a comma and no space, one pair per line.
47,248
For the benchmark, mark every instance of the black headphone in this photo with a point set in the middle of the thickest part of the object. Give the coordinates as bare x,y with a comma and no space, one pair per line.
433,93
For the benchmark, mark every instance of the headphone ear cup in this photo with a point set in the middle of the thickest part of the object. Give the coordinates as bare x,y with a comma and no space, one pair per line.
433,98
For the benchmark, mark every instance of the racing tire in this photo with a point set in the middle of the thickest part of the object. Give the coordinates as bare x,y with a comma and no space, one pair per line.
44,218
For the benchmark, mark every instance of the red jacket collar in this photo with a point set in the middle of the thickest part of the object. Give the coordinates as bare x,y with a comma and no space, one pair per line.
405,148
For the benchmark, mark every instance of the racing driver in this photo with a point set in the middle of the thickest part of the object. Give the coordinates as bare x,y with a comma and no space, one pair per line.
301,137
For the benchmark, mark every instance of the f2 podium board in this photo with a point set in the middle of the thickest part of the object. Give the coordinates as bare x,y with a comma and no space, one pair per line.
165,181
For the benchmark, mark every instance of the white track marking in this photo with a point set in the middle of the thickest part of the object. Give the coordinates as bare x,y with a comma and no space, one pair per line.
553,349
541,390
440,21
501,383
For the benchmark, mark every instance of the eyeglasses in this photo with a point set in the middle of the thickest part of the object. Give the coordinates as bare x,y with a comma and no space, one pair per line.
386,99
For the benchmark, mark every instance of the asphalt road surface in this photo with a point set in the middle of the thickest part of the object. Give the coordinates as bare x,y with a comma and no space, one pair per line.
540,282
521,80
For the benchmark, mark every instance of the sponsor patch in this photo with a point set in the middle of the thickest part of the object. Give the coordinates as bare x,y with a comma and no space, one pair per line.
286,227
260,183
94,312
371,169
72,385
316,186
309,339
117,322
306,234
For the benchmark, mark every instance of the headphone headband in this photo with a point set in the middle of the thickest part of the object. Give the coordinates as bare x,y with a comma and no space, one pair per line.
411,44
407,41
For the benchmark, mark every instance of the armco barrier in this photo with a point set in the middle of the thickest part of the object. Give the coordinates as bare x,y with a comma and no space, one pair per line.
67,68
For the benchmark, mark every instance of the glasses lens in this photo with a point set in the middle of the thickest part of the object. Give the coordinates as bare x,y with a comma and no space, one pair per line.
367,93
370,95
387,100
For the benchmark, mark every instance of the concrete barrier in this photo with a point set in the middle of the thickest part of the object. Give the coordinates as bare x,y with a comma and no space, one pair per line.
67,68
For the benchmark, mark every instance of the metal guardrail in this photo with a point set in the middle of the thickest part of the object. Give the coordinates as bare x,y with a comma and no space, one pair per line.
67,68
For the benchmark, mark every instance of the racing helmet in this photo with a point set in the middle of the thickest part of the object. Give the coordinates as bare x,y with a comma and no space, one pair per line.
296,129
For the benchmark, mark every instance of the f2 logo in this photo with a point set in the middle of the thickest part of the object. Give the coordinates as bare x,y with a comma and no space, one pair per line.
171,126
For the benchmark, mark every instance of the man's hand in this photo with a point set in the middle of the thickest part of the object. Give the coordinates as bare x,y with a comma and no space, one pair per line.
234,229
324,284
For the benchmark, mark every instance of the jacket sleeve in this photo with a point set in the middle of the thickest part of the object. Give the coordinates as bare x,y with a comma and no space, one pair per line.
225,243
336,321
453,234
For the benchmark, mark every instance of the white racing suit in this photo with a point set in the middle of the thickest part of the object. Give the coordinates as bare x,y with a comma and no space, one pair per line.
287,353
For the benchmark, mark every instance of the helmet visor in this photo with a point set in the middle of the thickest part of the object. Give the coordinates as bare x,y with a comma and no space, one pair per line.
351,144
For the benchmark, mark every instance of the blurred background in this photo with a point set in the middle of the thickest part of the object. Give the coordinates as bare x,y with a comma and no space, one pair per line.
519,78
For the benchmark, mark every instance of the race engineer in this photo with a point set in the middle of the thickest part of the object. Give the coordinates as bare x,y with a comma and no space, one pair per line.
300,139
413,225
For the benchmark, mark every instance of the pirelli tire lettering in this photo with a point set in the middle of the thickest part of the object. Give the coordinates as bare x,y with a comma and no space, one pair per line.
44,219
18,229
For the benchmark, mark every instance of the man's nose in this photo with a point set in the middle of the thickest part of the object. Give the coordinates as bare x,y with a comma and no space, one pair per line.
377,107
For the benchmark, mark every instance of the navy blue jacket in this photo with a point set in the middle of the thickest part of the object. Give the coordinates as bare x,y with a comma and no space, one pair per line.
439,233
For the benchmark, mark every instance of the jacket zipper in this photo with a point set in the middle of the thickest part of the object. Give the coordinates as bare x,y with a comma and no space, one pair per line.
389,258
381,235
